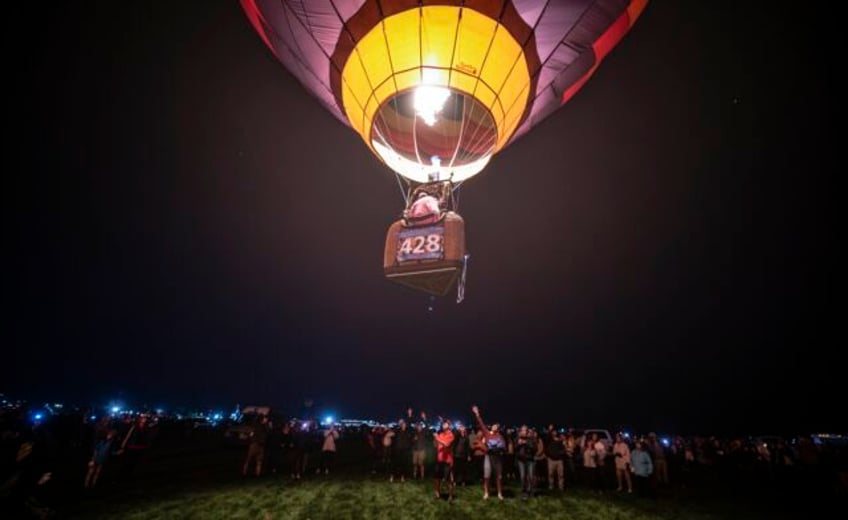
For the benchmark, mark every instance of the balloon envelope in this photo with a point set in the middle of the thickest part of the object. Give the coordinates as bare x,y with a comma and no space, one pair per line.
438,87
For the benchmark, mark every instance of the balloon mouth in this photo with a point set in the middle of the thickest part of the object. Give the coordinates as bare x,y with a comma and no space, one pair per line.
433,132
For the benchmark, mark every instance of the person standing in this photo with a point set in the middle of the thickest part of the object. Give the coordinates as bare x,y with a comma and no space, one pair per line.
591,461
256,448
101,453
461,456
388,441
419,451
642,468
555,451
525,458
402,450
444,460
657,450
495,446
622,463
299,446
328,449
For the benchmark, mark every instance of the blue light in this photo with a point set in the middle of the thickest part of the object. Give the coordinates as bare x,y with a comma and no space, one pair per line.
92,418
626,435
38,416
217,417
116,409
665,441
328,420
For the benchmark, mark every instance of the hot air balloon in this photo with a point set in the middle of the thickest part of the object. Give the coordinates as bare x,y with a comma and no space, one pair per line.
435,88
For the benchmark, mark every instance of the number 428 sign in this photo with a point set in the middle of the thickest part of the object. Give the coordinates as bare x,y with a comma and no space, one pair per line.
427,243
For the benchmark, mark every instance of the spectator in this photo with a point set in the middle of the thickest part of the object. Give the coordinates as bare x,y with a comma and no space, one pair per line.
525,459
402,451
622,463
328,449
419,451
555,451
256,447
102,449
642,468
495,446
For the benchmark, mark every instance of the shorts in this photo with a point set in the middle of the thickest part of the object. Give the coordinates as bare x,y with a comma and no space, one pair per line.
418,457
255,452
493,462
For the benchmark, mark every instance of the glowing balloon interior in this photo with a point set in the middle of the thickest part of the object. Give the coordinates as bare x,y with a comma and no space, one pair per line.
437,87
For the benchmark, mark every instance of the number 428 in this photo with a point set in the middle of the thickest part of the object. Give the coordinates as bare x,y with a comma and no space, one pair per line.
421,244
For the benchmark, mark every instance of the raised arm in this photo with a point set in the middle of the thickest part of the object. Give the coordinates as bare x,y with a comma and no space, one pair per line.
480,422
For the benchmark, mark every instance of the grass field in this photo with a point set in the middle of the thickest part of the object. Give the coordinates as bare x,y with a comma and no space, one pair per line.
349,498
193,478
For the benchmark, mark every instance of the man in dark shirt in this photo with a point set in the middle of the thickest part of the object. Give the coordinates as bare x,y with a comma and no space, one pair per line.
461,456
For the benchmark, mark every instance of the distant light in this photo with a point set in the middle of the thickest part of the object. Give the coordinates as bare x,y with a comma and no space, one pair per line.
217,417
39,416
328,419
665,441
626,435
159,411
116,409
92,418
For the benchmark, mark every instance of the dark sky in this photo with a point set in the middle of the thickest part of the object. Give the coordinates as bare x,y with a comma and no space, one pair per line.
184,224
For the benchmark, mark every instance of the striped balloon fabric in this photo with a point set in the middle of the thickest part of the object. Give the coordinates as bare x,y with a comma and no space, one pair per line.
436,88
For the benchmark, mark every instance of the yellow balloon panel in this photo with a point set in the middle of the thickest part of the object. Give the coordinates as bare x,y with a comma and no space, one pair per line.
451,46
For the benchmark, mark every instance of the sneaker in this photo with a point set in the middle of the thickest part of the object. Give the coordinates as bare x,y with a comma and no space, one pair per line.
392,478
485,496
500,497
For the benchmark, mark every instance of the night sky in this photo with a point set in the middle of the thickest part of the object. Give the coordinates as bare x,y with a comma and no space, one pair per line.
184,224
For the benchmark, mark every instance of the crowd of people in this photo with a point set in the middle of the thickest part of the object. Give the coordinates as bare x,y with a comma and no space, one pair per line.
534,459
68,453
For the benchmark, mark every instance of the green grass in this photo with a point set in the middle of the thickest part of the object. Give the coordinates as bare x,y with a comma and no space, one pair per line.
351,498
194,478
